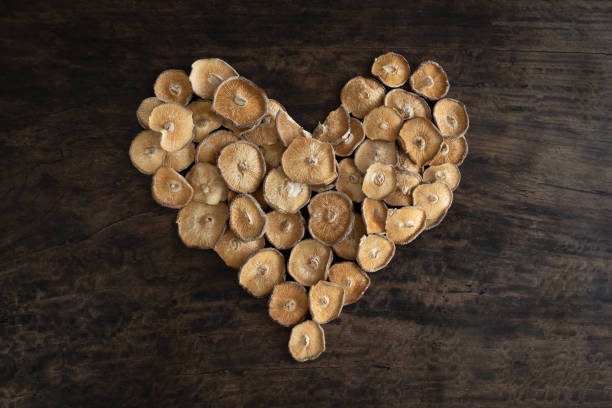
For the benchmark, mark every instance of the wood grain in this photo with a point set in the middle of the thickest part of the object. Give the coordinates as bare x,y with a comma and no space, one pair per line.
508,303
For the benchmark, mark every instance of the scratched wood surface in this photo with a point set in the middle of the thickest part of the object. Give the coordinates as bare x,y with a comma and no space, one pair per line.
508,303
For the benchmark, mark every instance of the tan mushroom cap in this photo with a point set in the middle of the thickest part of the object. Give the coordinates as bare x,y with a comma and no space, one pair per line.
451,117
173,85
375,252
261,271
285,230
430,81
319,188
233,128
330,217
406,182
453,150
201,225
259,196
352,278
347,248
352,140
447,173
310,161
146,153
405,163
207,74
325,301
382,123
435,198
360,95
405,224
205,121
407,104
175,124
242,166
181,159
420,139
170,189
208,185
209,148
273,154
265,134
307,341
374,214
144,110
288,129
284,195
309,262
288,303
240,101
350,180
335,128
234,251
379,181
392,69
246,218
375,151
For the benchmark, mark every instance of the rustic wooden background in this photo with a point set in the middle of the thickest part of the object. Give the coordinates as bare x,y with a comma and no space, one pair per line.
508,303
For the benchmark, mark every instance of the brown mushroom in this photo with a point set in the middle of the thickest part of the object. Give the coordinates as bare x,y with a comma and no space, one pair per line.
374,214
288,303
240,101
307,341
265,134
144,110
273,154
352,278
208,185
246,218
310,161
392,69
146,153
325,301
447,173
404,163
347,247
234,251
375,151
170,189
379,181
201,225
175,124
405,224
288,129
205,121
207,74
435,198
430,81
350,180
406,182
360,95
209,148
284,195
382,123
375,252
173,85
356,135
330,217
453,150
451,117
407,104
309,262
242,166
181,159
335,128
262,271
285,230
420,139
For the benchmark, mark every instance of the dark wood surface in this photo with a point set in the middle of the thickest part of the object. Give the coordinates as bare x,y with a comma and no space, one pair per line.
508,303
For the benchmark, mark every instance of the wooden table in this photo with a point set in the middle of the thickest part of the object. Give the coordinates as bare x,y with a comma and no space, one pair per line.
508,303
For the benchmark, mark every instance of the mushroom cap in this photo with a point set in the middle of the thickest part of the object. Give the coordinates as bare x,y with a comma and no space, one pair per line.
375,252
430,81
173,85
405,224
175,124
285,230
246,218
288,129
146,153
335,128
405,163
261,271
453,150
242,166
420,139
309,262
310,161
284,195
447,173
240,101
207,74
288,303
392,69
379,181
265,134
307,341
208,185
353,139
144,110
319,188
375,151
170,189
181,159
201,225
407,104
352,278
273,154
350,180
209,148
406,182
360,95
374,214
451,117
435,198
330,217
205,120
235,251
347,248
325,301
236,129
382,123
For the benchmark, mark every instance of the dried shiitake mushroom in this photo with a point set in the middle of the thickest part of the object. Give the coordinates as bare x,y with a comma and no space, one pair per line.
405,224
360,95
170,189
406,181
209,148
420,139
375,252
447,173
144,110
310,161
207,74
259,196
382,123
201,225
404,163
325,301
309,262
234,251
347,248
173,85
205,120
181,159
435,198
284,195
349,143
349,180
265,134
379,181
208,185
240,101
453,150
335,128
375,151
146,153
451,117
407,104
246,218
352,278
330,217
273,154
233,128
430,81
288,129
175,124
307,341
319,188
242,166
374,214
392,69
288,303
261,271
285,230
